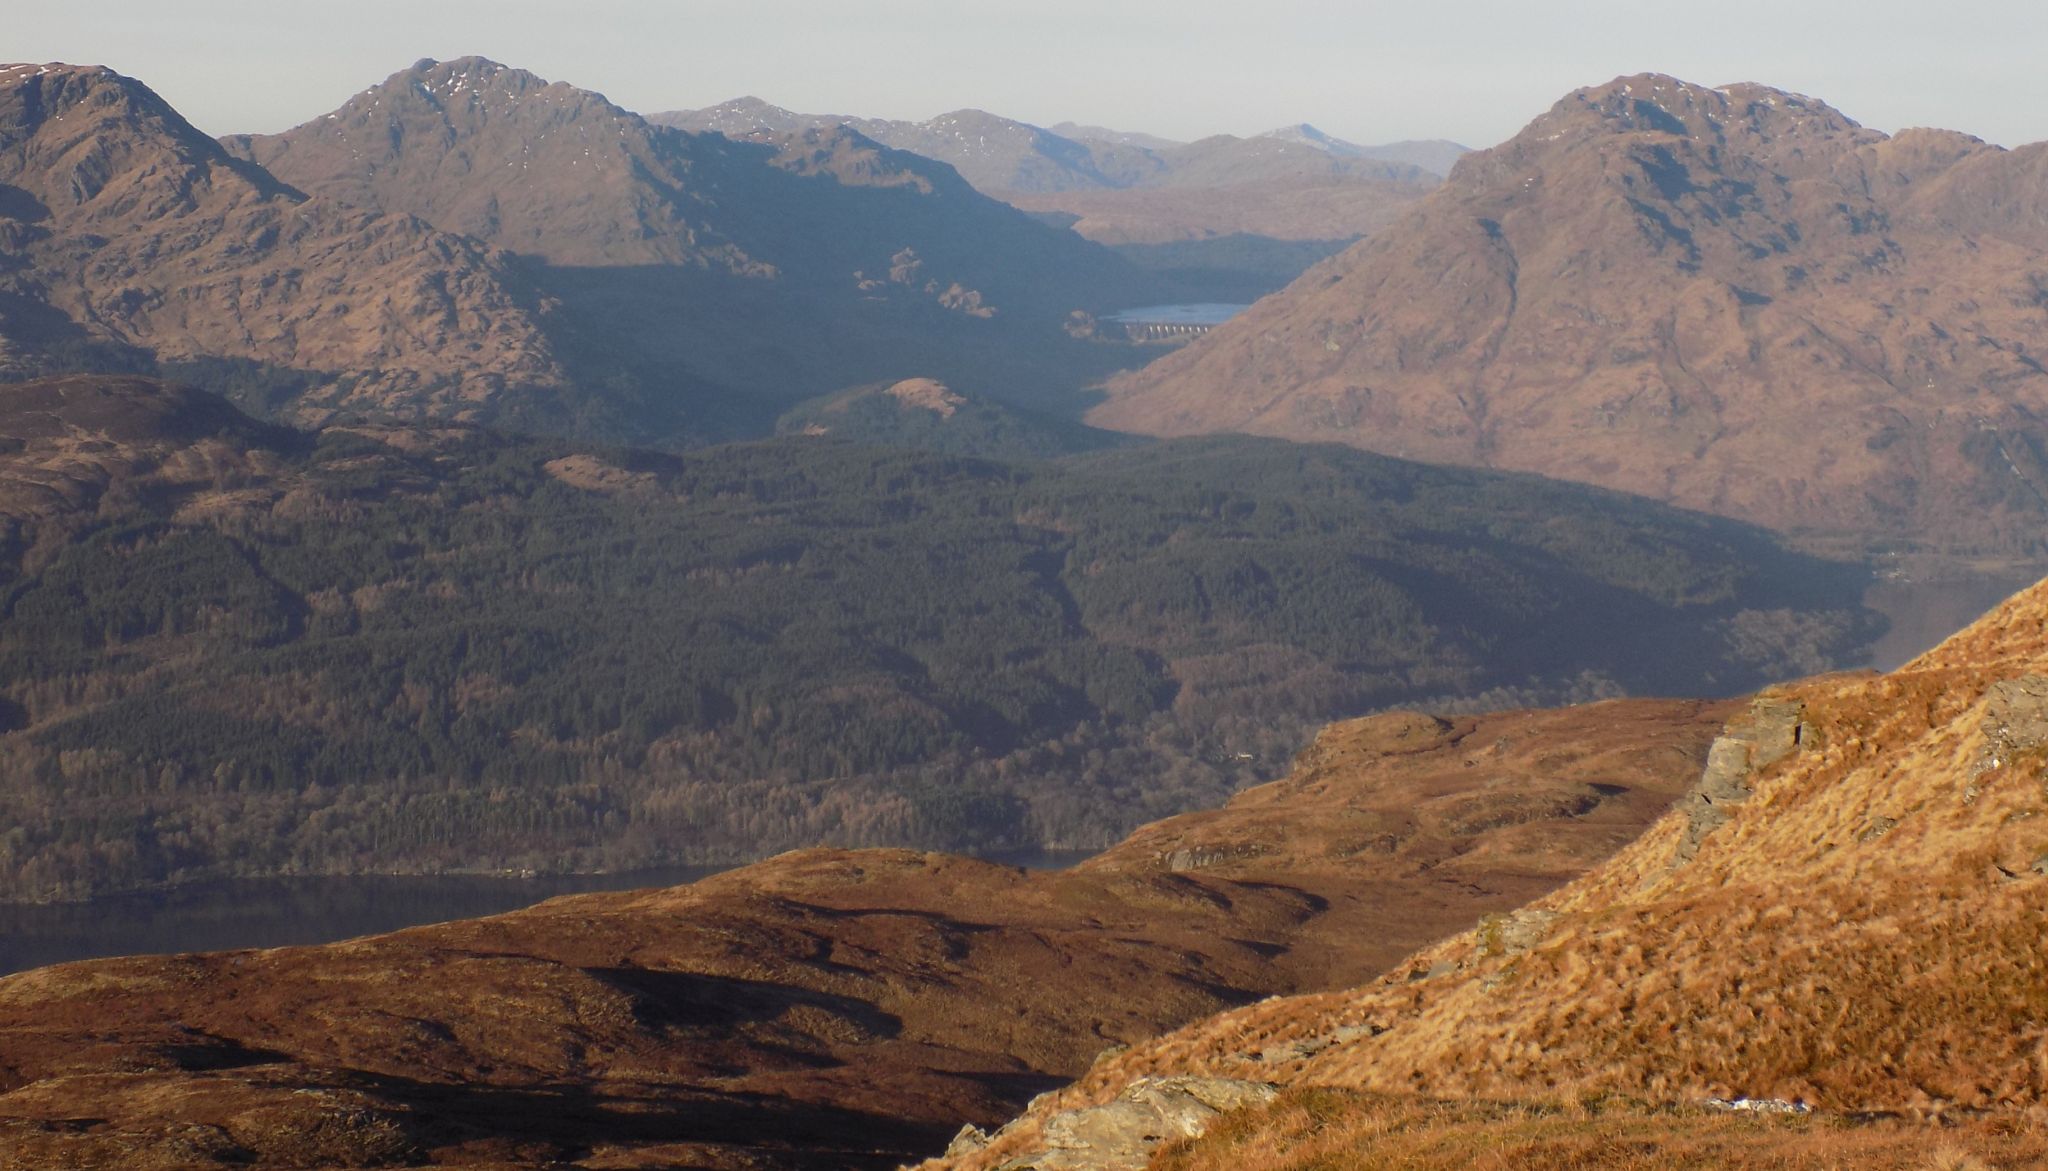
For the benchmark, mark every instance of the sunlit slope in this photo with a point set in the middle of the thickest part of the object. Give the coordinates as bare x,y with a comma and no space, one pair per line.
1848,912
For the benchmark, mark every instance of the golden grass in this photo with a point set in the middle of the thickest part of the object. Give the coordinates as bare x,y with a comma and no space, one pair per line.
1323,1129
1868,933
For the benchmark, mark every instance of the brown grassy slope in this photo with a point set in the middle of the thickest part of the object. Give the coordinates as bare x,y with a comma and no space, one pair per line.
122,224
1328,1129
1734,299
1864,933
826,1008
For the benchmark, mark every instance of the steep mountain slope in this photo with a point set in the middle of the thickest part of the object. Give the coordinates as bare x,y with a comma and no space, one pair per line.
1846,912
127,234
771,271
1737,300
231,650
825,1008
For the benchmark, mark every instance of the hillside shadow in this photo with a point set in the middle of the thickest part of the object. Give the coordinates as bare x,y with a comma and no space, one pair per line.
692,1000
572,1120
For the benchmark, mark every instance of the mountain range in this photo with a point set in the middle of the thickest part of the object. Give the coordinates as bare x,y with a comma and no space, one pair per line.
1004,156
1117,188
122,228
419,607
1732,299
469,241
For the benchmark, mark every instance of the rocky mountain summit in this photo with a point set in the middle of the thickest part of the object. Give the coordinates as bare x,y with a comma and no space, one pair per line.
1842,921
1435,155
672,256
561,174
1735,299
125,231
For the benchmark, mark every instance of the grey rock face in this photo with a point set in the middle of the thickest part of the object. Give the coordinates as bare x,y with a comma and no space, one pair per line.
2015,717
1770,731
1121,1135
1514,932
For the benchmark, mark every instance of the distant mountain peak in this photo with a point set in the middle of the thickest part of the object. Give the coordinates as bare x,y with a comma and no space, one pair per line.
1435,156
1661,103
151,238
1659,287
1308,135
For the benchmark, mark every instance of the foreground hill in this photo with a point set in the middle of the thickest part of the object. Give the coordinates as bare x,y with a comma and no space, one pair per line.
226,648
825,1008
1845,914
1734,299
125,234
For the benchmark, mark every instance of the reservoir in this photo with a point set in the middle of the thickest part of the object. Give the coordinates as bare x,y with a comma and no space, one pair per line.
1204,314
1922,613
1173,323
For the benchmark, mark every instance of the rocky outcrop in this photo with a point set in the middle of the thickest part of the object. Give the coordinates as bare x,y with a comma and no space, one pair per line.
1770,731
1120,1135
2015,717
1514,932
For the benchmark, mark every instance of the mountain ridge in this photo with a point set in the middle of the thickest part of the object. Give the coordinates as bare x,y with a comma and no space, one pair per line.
1656,286
1029,159
725,279
193,253
1139,189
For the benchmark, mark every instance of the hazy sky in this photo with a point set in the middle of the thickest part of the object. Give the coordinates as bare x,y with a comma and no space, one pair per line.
1471,70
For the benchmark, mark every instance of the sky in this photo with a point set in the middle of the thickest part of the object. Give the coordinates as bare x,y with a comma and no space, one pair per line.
1474,71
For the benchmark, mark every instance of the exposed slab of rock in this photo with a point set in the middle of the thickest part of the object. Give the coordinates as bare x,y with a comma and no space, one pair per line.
1515,932
1769,732
1121,1134
2016,716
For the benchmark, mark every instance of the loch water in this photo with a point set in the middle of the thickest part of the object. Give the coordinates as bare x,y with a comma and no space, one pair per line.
283,912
